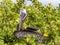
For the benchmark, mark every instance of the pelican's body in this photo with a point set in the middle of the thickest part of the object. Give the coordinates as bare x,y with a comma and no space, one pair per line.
29,30
25,33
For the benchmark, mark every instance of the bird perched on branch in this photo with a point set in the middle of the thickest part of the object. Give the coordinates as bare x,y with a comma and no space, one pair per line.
28,31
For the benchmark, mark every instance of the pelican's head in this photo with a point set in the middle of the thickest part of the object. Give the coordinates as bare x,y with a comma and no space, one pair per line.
23,11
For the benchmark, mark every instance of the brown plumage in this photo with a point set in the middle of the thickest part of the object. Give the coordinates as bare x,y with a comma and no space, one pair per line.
19,33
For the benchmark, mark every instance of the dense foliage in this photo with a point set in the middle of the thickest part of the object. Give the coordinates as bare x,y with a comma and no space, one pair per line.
47,19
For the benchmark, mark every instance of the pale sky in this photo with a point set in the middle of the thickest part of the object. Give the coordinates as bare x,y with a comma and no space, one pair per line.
53,2
44,2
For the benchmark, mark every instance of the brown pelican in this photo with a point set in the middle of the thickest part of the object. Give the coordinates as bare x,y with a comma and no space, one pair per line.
29,31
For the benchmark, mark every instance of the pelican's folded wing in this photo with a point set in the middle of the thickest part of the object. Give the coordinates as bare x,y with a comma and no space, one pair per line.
31,29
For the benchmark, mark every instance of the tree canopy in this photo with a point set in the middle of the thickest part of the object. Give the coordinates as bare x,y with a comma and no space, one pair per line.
46,18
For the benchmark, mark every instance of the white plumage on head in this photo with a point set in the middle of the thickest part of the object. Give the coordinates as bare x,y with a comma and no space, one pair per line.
23,11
